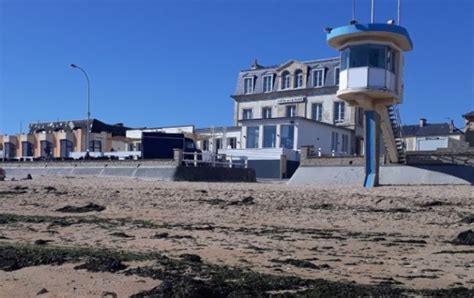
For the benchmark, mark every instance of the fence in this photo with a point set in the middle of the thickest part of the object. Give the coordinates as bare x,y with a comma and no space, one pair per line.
211,159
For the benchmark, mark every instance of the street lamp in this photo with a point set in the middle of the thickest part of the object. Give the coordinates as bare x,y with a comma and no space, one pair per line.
88,105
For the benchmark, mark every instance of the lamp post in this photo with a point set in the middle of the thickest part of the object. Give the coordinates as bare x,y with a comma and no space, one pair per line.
88,105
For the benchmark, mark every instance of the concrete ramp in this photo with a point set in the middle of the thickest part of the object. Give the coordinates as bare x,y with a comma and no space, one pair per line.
389,175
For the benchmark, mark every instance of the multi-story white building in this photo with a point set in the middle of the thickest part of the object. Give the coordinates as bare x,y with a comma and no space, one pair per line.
279,109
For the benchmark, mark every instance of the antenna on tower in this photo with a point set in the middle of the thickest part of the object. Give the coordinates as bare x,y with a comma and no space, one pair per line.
399,6
353,10
372,11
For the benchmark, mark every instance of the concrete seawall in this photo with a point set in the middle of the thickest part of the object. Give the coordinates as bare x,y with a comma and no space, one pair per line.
148,170
389,175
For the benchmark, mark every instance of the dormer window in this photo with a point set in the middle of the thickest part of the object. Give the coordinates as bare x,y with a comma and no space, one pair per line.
318,77
298,79
285,80
268,83
248,85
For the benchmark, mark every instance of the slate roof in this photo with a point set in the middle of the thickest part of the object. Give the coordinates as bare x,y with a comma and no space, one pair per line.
328,64
430,129
70,125
469,115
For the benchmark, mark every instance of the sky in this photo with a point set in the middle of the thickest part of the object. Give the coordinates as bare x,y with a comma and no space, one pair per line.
176,62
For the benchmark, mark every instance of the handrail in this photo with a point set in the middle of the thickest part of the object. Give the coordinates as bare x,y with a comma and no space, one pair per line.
214,159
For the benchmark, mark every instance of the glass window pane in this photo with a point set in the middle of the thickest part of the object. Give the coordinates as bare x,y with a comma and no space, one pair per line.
358,56
252,137
269,136
377,56
287,136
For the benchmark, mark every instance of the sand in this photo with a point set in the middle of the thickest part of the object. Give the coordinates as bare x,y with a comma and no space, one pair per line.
396,234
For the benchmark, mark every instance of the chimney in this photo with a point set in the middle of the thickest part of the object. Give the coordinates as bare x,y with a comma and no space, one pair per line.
422,122
451,126
255,65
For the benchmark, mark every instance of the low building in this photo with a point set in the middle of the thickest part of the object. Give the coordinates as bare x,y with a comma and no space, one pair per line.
430,136
61,139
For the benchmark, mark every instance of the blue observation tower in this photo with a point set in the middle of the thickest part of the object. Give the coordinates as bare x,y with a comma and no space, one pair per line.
371,77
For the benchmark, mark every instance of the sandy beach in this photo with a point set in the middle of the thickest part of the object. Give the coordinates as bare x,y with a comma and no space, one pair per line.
78,236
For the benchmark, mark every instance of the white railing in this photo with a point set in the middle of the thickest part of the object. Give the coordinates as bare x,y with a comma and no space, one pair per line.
207,158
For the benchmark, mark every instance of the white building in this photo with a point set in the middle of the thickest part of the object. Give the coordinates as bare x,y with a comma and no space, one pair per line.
279,109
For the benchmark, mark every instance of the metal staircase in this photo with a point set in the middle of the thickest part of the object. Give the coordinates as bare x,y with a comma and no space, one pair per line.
396,123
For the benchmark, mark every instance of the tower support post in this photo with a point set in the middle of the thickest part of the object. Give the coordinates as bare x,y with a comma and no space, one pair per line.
372,148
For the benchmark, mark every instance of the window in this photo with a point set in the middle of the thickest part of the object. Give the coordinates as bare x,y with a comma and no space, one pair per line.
189,145
205,145
371,55
317,111
391,59
339,111
268,83
285,80
218,144
345,144
45,148
252,136
298,79
287,136
95,146
318,77
345,58
267,112
65,148
291,111
247,114
269,136
377,56
334,141
27,149
231,143
337,70
10,150
360,115
248,85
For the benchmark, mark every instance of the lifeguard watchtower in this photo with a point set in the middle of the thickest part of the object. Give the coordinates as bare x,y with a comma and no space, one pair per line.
371,76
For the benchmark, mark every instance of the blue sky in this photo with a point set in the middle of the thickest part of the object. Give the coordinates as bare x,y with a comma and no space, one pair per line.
160,63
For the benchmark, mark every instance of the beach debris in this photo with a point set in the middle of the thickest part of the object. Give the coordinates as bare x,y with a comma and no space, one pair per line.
109,295
42,242
434,204
42,291
468,219
102,264
464,238
17,190
49,188
168,236
300,263
245,201
121,234
160,236
2,174
191,258
87,208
